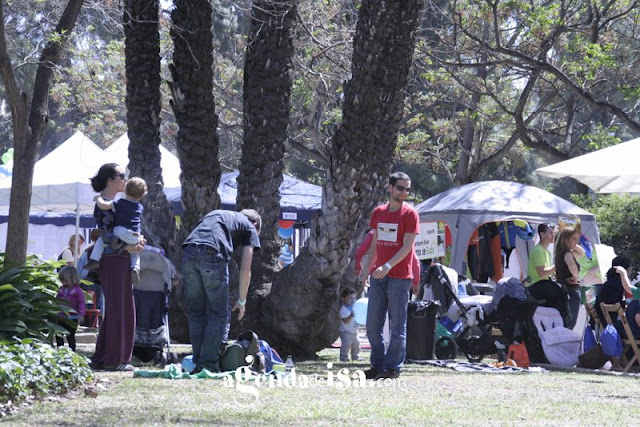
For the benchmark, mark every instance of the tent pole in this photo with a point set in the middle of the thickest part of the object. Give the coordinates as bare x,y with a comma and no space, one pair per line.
75,246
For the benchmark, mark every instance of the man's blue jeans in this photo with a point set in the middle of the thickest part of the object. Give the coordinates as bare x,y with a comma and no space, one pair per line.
392,295
206,290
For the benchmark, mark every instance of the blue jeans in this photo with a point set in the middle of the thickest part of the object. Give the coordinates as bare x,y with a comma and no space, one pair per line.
574,306
206,289
392,295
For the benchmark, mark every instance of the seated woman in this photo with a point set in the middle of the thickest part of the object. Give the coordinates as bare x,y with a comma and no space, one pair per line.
633,318
68,252
616,286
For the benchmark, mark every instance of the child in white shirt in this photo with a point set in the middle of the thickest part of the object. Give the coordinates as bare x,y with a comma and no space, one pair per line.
348,327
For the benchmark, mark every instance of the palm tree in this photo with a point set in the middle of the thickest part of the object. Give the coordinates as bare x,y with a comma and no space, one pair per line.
142,62
267,87
299,316
194,108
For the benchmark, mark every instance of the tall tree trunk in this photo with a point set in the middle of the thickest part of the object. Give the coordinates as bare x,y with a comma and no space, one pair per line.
194,108
142,62
267,87
27,132
300,313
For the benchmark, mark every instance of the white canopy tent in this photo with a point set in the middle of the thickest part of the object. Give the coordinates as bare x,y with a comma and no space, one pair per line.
61,180
118,152
610,170
466,208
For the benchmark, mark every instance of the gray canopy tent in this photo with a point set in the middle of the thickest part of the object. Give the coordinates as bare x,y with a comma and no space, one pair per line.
466,208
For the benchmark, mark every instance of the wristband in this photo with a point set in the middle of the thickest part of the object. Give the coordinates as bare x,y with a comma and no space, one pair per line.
241,302
386,264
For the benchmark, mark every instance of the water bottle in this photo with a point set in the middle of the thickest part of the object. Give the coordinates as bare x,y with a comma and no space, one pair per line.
457,328
288,366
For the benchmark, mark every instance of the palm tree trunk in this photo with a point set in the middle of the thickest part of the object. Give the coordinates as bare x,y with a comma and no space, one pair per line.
267,87
194,108
142,62
300,313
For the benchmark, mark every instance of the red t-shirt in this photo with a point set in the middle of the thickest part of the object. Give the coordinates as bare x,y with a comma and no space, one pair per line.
392,227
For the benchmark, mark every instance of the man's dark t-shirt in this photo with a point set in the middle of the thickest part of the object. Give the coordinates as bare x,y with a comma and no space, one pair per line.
223,231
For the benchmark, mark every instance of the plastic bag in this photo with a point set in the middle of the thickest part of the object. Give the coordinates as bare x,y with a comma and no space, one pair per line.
589,339
611,342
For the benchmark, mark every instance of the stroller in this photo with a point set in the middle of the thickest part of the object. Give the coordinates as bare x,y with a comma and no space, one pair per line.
475,340
152,308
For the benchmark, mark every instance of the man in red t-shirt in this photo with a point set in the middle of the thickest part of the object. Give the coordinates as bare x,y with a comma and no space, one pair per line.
363,250
395,226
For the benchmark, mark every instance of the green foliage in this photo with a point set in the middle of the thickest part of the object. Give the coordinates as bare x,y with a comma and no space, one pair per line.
31,368
28,300
602,137
618,221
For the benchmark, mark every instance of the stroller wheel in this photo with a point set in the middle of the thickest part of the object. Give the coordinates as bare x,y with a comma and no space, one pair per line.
474,347
173,358
446,348
161,359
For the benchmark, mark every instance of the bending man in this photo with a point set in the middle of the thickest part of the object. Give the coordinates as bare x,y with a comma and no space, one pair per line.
205,268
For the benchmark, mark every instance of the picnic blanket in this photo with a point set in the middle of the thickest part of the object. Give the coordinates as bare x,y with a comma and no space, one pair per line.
462,366
174,372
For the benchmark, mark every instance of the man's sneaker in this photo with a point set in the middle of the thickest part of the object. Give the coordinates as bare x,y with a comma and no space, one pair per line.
371,374
388,373
135,277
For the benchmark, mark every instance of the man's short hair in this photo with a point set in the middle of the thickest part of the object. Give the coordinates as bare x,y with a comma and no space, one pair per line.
254,217
398,176
136,187
542,228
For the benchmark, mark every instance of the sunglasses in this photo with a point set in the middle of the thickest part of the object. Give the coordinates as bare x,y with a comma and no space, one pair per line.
401,188
119,175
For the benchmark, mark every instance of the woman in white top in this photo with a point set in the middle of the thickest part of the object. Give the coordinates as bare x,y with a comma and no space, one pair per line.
67,253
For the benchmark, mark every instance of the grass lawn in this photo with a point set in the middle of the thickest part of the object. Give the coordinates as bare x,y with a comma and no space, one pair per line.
422,396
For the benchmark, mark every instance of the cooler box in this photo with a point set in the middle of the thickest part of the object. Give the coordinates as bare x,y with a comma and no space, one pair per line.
421,330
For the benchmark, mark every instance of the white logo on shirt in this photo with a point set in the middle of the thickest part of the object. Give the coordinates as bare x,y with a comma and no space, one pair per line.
387,232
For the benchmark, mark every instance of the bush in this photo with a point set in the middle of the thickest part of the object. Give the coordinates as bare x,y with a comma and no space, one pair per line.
28,300
29,368
618,217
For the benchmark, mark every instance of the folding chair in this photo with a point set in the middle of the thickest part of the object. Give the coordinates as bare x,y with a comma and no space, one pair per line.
92,314
628,342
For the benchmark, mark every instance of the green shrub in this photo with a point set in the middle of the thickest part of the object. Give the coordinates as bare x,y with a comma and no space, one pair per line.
29,367
618,217
28,300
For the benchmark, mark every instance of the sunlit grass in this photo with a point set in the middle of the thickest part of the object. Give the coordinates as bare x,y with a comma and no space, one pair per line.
423,395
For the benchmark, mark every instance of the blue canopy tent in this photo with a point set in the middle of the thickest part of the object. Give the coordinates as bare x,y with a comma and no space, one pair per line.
299,200
49,231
